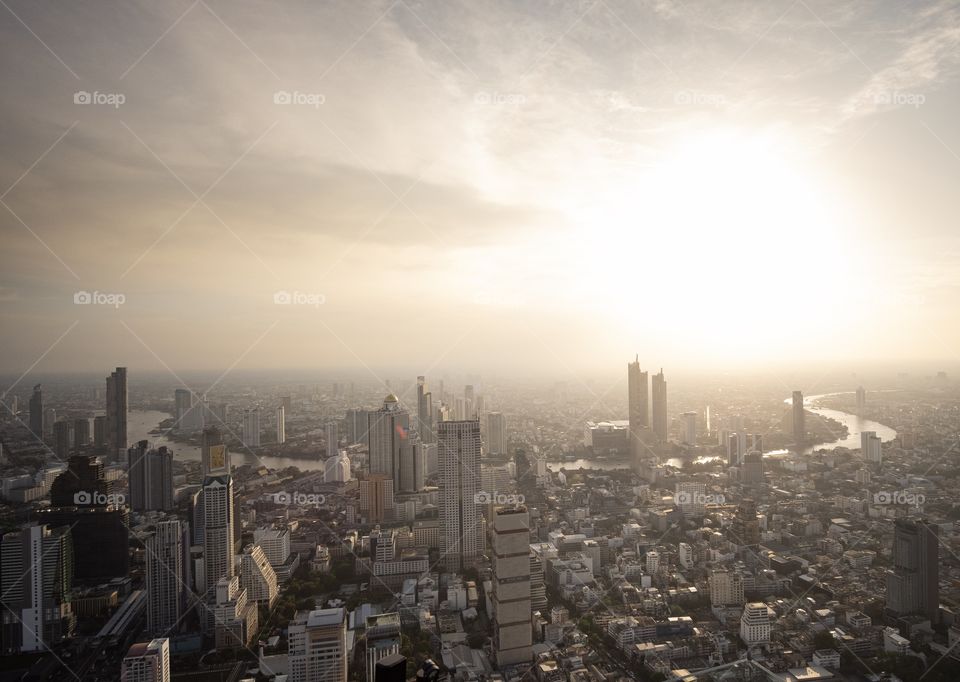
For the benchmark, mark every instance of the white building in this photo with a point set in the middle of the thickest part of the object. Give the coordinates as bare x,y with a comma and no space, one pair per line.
496,434
690,498
333,439
871,447
251,427
275,543
755,624
217,529
281,424
726,588
685,555
688,428
318,646
336,469
257,576
147,662
458,444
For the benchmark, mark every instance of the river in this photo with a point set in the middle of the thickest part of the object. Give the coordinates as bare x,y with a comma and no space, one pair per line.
855,426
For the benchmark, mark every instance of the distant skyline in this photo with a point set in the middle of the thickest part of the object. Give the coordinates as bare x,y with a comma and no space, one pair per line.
494,186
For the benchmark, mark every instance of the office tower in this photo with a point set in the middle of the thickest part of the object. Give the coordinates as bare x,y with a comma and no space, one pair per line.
745,529
388,438
275,543
913,582
376,498
36,580
147,662
871,447
799,419
333,439
659,406
653,562
691,498
213,452
755,624
83,500
708,429
81,433
182,407
726,588
281,425
861,400
61,439
49,419
512,631
196,518
685,555
36,412
218,523
337,469
357,425
538,586
688,426
458,452
318,646
117,414
234,615
167,558
733,449
257,576
383,639
638,411
425,412
100,432
150,476
251,427
469,402
752,473
496,434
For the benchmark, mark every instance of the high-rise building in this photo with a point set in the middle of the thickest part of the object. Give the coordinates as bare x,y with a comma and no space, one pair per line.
458,452
234,615
755,624
275,543
213,452
871,447
799,419
389,442
745,529
36,411
62,433
752,469
913,583
183,409
337,469
218,520
49,419
147,662
425,412
167,558
658,394
318,646
251,427
861,400
100,432
333,439
638,410
726,588
511,599
150,476
688,426
376,498
117,414
357,425
36,576
496,434
383,639
691,498
81,433
281,424
257,576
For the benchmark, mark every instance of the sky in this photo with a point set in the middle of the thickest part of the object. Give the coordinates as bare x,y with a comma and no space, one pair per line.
528,186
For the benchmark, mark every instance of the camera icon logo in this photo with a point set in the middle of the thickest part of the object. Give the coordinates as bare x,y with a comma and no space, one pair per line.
482,497
82,97
683,498
83,298
883,497
281,97
282,298
281,498
82,498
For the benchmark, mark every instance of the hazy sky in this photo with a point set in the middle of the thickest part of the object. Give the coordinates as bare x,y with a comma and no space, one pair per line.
514,184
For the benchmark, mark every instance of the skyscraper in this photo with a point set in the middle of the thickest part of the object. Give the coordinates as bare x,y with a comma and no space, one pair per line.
688,423
913,583
61,439
36,411
281,424
100,433
383,639
861,400
150,476
218,519
425,412
333,439
213,452
36,579
147,662
799,419
659,401
638,410
81,433
251,427
459,458
182,406
512,631
117,414
168,575
871,447
318,646
388,439
496,434
257,576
